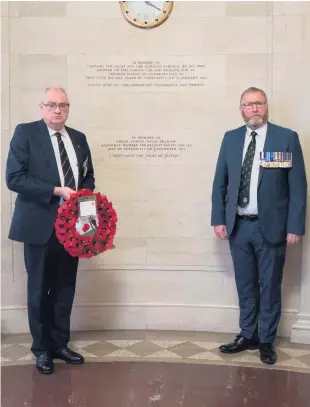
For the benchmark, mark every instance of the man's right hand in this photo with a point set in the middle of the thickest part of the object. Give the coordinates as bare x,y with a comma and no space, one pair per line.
221,232
63,192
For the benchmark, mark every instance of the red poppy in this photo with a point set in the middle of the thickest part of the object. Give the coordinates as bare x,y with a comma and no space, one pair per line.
87,253
61,210
85,240
70,221
60,225
113,217
86,227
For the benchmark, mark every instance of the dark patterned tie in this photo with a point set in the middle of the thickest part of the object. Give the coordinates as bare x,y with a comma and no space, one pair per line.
244,190
69,180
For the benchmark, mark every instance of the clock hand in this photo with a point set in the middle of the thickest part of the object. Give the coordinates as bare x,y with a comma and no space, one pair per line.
150,4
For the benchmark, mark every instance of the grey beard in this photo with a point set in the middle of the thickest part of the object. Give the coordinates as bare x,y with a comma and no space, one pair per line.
256,124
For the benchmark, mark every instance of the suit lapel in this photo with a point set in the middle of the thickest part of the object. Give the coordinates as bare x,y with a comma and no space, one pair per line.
75,140
76,144
240,139
268,146
45,143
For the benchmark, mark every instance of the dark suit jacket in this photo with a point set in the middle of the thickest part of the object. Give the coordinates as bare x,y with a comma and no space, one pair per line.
282,192
32,172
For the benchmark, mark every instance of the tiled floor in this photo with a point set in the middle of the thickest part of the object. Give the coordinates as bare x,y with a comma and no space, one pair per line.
190,372
174,347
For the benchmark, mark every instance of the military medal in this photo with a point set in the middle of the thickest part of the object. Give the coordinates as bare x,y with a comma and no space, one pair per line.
275,159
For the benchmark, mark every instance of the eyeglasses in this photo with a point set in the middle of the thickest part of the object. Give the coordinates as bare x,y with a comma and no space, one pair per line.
250,105
53,106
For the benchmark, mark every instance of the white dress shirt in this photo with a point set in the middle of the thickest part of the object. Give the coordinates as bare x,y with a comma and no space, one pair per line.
70,152
252,207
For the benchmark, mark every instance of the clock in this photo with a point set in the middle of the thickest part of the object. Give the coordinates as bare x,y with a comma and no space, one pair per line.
146,14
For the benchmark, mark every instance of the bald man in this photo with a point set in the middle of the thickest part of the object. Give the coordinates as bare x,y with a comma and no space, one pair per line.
47,162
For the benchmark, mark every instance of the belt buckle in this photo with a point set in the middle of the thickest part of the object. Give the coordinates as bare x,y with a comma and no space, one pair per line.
248,217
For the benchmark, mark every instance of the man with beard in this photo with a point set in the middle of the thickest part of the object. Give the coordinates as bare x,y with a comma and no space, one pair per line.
259,203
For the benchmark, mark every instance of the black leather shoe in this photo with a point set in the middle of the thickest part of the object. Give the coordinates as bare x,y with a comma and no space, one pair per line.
267,353
68,356
238,345
45,364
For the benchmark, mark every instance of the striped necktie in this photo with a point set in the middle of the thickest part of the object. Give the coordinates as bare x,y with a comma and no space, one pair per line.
69,180
244,190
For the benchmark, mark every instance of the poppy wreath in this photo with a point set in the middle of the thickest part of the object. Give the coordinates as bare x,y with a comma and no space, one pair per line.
102,236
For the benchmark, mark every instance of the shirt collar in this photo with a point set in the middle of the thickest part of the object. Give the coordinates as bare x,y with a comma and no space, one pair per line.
52,131
260,131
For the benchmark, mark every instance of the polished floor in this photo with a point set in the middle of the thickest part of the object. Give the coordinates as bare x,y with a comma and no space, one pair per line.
142,384
155,369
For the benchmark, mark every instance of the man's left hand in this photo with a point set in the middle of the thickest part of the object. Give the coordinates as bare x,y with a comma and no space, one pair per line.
292,239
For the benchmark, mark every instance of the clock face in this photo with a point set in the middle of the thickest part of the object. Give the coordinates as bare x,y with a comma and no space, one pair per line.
146,14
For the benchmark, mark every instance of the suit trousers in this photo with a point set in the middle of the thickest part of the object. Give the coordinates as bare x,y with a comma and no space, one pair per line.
51,288
258,267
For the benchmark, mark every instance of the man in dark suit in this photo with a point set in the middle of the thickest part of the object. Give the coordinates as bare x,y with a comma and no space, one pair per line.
47,162
259,204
